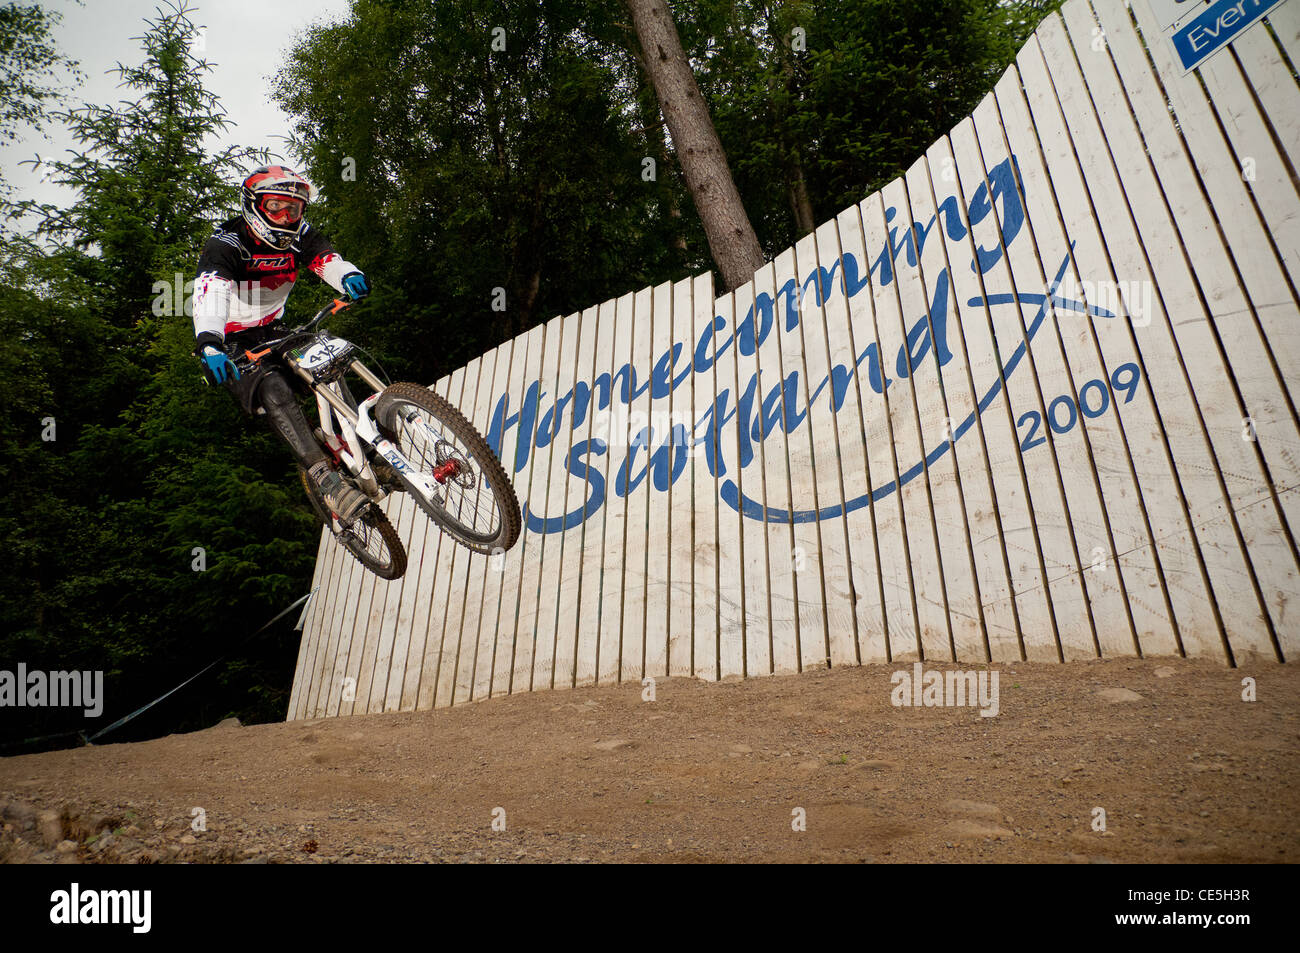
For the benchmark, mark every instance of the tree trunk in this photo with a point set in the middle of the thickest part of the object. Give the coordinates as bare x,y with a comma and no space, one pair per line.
732,241
800,205
795,185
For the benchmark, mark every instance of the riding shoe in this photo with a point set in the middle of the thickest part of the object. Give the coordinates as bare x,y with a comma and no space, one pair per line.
344,500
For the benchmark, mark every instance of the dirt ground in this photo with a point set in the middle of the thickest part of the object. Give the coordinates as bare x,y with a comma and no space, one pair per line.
1186,771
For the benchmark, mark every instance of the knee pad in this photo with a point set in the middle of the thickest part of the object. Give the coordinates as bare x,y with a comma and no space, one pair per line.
276,393
287,418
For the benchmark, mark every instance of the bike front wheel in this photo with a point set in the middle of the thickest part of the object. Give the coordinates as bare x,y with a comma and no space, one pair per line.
475,503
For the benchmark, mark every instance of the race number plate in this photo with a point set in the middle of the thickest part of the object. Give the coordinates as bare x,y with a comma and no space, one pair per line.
319,354
325,358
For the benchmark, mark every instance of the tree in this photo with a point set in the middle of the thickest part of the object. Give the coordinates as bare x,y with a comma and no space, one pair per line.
28,60
483,161
820,103
732,241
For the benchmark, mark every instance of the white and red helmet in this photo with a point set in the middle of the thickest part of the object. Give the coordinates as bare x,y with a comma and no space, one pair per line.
275,200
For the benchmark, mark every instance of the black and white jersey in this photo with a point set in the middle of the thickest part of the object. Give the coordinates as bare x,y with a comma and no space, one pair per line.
242,283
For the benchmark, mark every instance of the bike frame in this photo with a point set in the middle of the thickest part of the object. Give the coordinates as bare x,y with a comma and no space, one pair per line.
358,428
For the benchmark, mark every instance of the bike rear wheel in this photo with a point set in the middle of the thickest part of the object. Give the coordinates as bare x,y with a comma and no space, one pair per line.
477,505
371,538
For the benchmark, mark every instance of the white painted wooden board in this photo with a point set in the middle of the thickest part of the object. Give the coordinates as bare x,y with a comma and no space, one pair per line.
633,460
1114,541
917,355
755,573
706,552
591,589
659,461
491,384
989,618
307,646
526,638
1254,250
386,692
933,635
845,401
373,687
335,658
681,539
733,559
509,361
1095,451
440,646
1187,285
1271,83
1285,20
1261,168
896,577
554,432
805,561
414,675
1067,602
1154,343
577,496
815,397
525,392
609,651
1013,534
1149,532
1088,528
327,634
455,654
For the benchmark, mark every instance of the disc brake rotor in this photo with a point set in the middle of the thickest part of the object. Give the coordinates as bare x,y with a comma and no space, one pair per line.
462,474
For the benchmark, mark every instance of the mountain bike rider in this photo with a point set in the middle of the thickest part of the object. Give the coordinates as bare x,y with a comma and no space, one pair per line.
245,274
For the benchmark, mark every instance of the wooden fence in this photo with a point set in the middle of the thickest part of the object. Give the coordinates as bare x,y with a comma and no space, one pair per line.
1035,399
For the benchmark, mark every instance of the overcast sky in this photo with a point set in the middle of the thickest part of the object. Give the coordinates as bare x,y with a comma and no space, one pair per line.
245,40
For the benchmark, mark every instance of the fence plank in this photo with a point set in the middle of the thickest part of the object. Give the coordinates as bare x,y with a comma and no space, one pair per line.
577,496
610,646
761,604
736,551
509,366
882,463
824,463
657,534
492,382
785,385
990,617
994,426
681,538
917,367
455,656
1117,549
1206,280
555,428
845,403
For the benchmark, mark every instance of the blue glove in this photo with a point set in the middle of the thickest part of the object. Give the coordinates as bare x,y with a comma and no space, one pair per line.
217,366
355,285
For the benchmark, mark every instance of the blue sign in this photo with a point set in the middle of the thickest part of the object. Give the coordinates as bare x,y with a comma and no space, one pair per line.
1212,30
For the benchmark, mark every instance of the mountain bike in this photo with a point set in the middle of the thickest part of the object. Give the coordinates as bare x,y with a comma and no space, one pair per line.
401,438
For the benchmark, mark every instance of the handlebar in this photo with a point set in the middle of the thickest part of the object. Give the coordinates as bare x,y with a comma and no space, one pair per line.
335,307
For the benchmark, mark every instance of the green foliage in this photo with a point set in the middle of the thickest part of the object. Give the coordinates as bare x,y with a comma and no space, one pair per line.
28,62
100,523
479,168
876,82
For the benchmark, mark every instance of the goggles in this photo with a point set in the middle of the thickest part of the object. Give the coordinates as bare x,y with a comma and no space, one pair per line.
281,209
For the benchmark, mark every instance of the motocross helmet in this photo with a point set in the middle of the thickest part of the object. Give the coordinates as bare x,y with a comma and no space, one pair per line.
274,199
